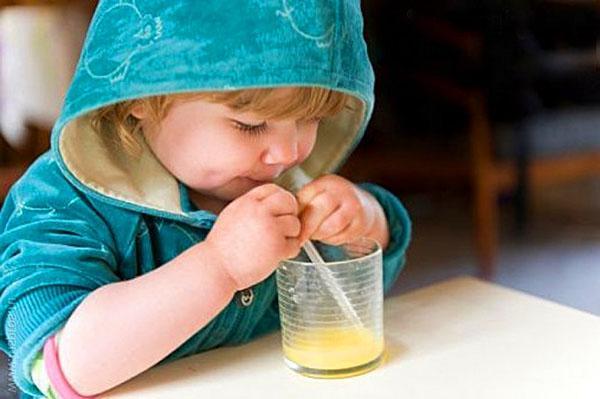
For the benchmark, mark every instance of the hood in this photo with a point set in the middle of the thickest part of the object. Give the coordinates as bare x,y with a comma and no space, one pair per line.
136,49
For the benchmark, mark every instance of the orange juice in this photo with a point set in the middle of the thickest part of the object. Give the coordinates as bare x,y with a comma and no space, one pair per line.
334,353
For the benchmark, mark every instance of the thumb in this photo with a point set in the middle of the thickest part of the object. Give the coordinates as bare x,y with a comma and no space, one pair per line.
306,194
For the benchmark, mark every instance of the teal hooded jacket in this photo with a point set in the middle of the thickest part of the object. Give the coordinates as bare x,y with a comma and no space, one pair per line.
87,213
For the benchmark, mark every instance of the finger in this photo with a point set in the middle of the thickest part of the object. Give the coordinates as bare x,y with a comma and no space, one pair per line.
350,233
261,192
316,212
281,203
307,193
333,225
289,226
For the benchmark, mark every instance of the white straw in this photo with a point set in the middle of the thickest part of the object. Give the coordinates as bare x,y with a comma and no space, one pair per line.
331,282
293,180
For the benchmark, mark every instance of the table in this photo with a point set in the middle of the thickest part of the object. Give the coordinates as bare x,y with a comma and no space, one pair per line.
461,338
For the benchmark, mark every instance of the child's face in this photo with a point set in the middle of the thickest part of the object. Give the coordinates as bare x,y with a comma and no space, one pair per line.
222,153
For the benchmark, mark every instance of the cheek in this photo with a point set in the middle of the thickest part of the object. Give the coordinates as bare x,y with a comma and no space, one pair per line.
219,158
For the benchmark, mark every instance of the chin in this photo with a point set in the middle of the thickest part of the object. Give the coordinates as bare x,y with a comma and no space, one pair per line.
233,191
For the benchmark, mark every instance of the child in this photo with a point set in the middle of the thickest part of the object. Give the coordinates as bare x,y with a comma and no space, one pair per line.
151,229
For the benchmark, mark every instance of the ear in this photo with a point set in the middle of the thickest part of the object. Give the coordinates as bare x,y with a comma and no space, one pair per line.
139,110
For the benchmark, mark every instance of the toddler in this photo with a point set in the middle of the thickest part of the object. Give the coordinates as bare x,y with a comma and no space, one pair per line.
152,228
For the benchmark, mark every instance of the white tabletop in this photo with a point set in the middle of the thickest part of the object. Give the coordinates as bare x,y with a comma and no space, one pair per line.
462,338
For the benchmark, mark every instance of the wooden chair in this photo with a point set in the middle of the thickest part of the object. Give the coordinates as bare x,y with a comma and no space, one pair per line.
478,166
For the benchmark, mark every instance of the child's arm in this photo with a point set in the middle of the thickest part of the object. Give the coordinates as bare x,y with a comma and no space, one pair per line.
124,328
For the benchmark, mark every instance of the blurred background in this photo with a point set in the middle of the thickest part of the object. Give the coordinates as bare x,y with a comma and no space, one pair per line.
486,125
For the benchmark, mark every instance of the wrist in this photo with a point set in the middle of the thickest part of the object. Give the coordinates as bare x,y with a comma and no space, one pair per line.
210,256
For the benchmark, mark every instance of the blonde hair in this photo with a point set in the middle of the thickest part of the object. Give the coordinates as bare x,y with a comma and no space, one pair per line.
299,102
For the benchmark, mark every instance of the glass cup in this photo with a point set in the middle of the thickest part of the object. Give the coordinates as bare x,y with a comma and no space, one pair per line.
319,337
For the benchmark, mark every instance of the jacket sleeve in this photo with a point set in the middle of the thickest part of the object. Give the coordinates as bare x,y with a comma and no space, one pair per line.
394,257
54,250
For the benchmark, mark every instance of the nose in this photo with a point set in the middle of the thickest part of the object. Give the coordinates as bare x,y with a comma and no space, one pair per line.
282,150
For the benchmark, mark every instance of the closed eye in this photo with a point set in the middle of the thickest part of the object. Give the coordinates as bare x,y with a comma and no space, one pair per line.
250,129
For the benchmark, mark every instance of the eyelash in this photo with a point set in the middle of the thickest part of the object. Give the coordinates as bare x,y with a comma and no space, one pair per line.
259,129
251,129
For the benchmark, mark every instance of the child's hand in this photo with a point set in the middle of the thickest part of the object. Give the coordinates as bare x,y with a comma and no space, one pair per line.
254,233
335,211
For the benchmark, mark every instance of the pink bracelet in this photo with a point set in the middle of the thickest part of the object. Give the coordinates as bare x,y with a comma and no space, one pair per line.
57,379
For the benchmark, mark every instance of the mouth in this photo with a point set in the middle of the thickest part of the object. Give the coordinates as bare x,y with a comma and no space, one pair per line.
259,181
263,179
